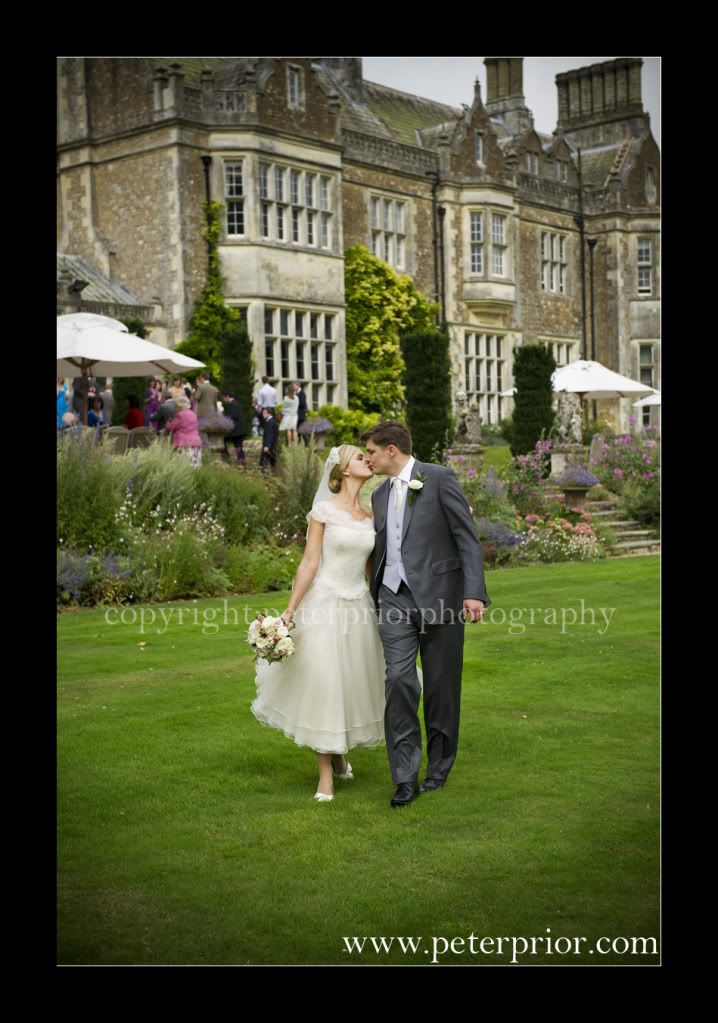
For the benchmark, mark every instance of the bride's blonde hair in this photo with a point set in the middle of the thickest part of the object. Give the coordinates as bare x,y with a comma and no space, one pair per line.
346,453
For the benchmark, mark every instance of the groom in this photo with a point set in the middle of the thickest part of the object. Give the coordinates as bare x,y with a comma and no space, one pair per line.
427,578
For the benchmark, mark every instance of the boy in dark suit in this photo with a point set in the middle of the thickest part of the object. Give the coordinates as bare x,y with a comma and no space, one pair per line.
270,440
236,435
302,413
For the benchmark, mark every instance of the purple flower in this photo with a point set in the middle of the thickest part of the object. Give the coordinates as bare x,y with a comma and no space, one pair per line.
580,475
499,533
471,474
214,420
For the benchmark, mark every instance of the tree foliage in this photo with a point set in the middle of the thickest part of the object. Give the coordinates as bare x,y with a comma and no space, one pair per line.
211,318
427,380
381,306
533,415
238,365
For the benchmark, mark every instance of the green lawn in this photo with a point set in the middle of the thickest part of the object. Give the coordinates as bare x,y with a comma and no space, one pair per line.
187,831
498,455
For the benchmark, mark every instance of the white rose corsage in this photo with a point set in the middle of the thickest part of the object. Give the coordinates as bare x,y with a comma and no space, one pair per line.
416,485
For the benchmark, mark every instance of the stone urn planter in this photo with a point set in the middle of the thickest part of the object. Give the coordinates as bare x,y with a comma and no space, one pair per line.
565,457
318,429
214,428
575,483
473,454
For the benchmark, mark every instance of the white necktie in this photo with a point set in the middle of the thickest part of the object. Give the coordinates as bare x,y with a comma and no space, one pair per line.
397,491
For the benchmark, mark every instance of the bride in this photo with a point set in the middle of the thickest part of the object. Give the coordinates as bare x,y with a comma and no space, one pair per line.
329,695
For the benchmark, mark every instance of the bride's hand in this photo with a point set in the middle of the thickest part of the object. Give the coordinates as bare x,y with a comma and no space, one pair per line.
288,617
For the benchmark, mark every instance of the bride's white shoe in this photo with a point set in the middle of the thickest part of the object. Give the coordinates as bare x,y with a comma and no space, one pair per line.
346,775
322,797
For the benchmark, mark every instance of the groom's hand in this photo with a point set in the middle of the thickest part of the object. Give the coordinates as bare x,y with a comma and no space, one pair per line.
473,609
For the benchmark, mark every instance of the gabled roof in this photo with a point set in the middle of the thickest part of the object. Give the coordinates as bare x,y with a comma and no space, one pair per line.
405,114
356,115
597,164
100,288
192,66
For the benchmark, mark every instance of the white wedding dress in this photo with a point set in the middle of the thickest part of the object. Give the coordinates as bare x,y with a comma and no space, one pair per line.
330,694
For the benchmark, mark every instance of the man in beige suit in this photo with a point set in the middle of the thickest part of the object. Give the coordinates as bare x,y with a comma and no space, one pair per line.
205,396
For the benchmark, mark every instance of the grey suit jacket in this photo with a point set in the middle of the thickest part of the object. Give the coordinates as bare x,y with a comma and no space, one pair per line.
440,548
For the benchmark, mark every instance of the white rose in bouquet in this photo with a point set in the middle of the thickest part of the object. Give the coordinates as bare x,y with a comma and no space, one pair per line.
285,647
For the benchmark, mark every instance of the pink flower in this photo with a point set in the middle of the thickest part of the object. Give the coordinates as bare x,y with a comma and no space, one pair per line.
531,518
618,472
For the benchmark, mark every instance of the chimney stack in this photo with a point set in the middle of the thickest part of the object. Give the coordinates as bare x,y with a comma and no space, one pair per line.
599,94
505,92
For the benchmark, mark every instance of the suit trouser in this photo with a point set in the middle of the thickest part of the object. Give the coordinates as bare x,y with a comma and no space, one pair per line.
403,634
268,459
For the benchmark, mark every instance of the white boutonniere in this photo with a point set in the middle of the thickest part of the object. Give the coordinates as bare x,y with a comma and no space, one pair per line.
416,485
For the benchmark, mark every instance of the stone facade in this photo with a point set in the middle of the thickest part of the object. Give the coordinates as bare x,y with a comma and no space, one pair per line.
483,212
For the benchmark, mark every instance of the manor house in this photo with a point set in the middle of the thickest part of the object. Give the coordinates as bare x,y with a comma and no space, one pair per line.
518,236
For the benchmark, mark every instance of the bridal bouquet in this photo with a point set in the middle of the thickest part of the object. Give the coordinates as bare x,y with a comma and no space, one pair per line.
269,638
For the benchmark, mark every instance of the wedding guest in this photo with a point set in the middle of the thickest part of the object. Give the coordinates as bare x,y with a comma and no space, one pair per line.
290,412
77,393
270,440
236,435
267,396
175,389
151,400
205,396
134,416
95,417
185,434
108,401
166,412
63,401
302,413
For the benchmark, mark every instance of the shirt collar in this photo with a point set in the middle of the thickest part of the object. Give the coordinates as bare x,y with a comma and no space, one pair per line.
405,473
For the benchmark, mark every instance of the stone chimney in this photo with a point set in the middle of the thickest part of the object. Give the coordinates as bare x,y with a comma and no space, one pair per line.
505,92
348,71
602,94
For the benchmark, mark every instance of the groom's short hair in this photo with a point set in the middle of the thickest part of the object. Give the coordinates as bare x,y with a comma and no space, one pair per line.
390,432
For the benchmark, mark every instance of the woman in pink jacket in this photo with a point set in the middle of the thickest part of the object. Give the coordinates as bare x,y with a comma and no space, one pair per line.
185,435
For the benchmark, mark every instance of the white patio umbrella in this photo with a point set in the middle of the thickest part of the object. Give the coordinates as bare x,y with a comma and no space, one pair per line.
652,399
591,380
81,321
110,351
508,393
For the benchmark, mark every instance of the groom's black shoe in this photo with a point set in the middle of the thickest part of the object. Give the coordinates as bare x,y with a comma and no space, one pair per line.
405,793
430,784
